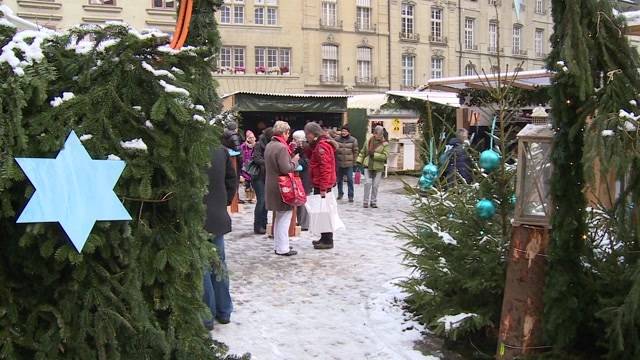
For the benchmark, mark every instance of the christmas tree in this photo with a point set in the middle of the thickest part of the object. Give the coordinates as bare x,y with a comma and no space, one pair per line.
135,291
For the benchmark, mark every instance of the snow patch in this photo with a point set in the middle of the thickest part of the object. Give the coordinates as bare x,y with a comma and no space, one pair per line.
137,108
625,115
173,89
7,23
84,46
452,322
199,118
629,126
606,133
57,101
147,33
565,69
113,157
169,50
29,52
148,124
177,71
86,137
561,63
446,238
198,107
135,144
633,102
155,72
106,44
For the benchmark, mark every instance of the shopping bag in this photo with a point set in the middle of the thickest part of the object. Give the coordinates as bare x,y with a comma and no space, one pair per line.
291,190
357,177
323,214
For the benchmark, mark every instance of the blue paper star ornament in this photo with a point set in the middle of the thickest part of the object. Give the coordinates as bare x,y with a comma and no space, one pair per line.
73,190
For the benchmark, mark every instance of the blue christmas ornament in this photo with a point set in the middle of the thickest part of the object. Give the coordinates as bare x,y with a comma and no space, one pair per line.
485,209
489,160
513,199
424,183
430,172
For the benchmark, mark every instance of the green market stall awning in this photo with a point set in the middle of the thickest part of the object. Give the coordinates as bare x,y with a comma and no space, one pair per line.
274,102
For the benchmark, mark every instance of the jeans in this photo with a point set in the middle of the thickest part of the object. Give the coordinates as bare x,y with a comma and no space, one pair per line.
260,212
216,292
372,181
348,171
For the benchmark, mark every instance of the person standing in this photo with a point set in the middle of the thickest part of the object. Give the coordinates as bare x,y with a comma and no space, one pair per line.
258,182
247,153
373,157
221,190
279,162
457,159
321,155
232,141
300,140
346,154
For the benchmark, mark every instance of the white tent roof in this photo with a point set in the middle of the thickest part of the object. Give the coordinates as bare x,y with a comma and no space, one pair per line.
371,101
10,18
529,80
375,101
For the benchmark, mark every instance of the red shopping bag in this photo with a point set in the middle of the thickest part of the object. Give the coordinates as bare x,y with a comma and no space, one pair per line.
358,177
291,190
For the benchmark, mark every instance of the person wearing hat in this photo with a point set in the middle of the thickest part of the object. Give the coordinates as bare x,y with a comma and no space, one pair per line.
346,156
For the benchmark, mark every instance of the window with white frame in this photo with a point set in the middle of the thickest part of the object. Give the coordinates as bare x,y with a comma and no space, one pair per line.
493,36
259,15
539,7
408,70
225,14
469,33
285,60
363,14
224,60
238,14
272,16
238,57
364,64
329,13
539,42
164,4
437,64
436,24
469,70
269,59
517,39
329,63
406,18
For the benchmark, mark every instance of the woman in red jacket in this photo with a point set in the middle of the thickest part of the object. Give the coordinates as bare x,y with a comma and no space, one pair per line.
322,162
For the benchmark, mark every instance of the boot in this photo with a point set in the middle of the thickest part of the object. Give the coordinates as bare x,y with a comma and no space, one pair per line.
325,243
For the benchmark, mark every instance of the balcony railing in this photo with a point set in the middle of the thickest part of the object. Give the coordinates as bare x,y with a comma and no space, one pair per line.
366,81
366,28
494,50
470,47
411,37
330,24
331,79
519,52
438,40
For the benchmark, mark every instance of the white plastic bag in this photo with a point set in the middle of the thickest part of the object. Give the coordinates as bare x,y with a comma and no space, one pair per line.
323,214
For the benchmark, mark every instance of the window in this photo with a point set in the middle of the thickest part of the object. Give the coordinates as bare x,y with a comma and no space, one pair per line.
540,7
238,58
469,37
329,14
539,42
436,67
272,16
364,65
408,62
407,18
225,57
225,14
164,4
517,37
469,70
102,2
329,63
436,24
493,36
363,15
259,15
272,60
238,14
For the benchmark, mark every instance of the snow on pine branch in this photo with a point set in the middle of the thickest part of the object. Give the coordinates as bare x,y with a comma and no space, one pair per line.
57,101
104,44
452,322
135,144
199,118
30,52
171,89
155,72
446,238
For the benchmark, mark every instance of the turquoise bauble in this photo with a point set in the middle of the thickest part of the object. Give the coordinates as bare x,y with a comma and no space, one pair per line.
430,170
424,183
485,209
513,199
489,160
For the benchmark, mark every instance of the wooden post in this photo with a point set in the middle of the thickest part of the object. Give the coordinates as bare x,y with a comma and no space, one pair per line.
522,307
235,208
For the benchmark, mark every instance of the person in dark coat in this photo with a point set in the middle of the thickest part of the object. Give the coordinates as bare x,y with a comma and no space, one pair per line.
458,161
221,190
346,156
258,182
232,141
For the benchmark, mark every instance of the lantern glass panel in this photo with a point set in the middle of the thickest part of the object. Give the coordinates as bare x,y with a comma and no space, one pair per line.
537,174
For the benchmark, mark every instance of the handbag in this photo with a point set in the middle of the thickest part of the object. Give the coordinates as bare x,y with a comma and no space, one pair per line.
291,190
251,168
323,214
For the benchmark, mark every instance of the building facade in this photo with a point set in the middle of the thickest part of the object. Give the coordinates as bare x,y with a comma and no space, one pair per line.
338,46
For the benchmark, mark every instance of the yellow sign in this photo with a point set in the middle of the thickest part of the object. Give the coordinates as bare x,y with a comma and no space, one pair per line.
396,123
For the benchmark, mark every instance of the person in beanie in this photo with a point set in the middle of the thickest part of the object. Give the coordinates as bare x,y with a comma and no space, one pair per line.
457,159
247,153
258,182
346,156
321,154
373,157
221,190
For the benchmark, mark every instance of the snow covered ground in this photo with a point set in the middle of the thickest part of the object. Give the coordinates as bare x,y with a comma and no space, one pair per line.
331,304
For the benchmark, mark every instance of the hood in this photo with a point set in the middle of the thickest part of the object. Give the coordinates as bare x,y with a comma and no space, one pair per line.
329,140
455,141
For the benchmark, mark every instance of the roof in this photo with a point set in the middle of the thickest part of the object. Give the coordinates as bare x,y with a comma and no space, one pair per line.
286,95
633,22
440,97
372,101
18,22
529,80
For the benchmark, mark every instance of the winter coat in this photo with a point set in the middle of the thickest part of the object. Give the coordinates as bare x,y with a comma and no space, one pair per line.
347,151
305,174
458,160
379,159
322,162
247,154
277,162
221,190
258,156
231,140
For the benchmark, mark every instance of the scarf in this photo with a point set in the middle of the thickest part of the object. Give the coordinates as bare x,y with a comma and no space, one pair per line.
283,141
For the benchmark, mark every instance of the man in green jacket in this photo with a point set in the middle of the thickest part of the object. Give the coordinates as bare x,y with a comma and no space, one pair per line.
373,157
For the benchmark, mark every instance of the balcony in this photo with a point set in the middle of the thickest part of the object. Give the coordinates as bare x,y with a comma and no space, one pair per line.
494,50
330,24
366,81
409,37
365,28
331,80
438,40
470,47
519,52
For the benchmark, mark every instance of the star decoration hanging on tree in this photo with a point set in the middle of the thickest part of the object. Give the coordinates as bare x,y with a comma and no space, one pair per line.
73,190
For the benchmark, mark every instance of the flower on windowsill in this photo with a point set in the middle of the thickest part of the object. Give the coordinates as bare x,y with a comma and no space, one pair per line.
261,69
238,70
274,70
225,70
284,70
